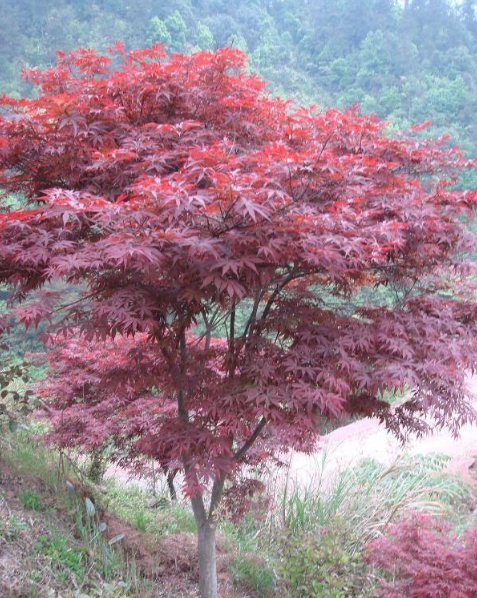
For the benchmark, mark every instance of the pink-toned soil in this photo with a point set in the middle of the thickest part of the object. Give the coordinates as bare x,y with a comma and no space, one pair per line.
368,439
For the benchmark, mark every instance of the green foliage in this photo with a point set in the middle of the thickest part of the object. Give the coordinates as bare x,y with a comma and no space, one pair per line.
205,39
31,500
353,506
65,560
320,566
311,543
158,32
108,562
178,30
254,574
97,465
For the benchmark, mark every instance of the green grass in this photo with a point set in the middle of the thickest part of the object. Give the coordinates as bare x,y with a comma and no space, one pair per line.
65,560
254,574
31,500
142,521
369,495
130,504
30,457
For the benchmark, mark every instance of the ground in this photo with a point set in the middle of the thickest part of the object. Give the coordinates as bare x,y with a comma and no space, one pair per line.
50,547
43,553
21,528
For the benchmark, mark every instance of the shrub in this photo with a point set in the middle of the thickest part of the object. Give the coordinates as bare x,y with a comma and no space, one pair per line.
320,565
421,558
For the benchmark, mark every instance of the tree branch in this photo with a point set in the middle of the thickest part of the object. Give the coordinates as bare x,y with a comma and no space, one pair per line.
253,315
277,290
217,490
181,398
232,342
256,433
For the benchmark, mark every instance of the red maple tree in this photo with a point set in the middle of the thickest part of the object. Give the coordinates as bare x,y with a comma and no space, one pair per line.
186,204
423,558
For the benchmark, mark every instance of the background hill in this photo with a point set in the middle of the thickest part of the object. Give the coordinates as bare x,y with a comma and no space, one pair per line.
407,61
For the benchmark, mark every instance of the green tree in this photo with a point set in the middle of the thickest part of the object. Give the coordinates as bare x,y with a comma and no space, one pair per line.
205,39
237,41
178,30
158,32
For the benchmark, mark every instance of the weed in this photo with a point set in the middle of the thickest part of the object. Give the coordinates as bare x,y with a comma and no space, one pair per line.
118,589
31,457
141,521
254,574
12,528
108,562
31,500
65,559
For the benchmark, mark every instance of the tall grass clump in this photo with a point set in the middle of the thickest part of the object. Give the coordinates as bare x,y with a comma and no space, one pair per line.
29,456
366,497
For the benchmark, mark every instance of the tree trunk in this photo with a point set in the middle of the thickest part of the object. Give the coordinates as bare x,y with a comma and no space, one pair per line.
207,559
206,526
170,484
97,466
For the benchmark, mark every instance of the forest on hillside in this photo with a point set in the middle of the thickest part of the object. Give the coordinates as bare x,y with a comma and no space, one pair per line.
408,62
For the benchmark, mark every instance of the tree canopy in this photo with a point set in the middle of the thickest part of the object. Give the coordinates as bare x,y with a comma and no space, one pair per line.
177,195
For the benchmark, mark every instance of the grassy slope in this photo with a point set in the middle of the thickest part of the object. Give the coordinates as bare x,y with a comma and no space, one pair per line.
49,543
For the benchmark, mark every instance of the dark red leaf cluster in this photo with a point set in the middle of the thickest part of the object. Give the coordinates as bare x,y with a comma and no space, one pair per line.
424,559
186,204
